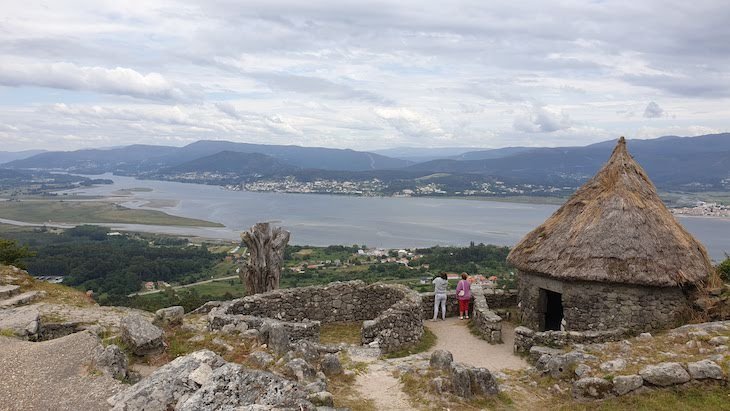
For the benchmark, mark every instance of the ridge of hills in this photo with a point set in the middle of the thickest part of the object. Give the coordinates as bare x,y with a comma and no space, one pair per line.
686,163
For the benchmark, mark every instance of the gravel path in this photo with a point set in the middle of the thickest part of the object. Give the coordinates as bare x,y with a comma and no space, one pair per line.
453,335
52,375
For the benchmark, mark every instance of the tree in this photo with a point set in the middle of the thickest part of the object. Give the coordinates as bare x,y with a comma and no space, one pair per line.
11,253
266,247
723,269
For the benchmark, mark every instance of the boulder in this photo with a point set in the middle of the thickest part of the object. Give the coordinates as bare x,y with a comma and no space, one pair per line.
140,335
719,340
482,382
23,322
613,365
665,374
705,369
441,359
624,384
537,351
460,381
563,365
162,389
300,369
306,350
582,370
260,359
232,387
111,361
592,388
22,299
331,365
7,291
170,315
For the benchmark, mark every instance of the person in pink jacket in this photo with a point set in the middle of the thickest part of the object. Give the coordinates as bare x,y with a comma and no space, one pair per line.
463,294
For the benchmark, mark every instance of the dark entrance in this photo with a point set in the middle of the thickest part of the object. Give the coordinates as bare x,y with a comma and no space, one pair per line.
552,307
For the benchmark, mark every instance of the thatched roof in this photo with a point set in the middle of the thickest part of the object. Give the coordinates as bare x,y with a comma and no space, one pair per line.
614,229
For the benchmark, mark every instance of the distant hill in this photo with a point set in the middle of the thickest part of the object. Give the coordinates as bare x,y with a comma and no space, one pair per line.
143,158
7,156
491,153
95,161
699,162
421,154
232,162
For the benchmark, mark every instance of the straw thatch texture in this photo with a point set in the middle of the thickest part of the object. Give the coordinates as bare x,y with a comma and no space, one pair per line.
616,229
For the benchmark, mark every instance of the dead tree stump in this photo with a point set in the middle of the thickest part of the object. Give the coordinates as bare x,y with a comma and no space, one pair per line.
266,248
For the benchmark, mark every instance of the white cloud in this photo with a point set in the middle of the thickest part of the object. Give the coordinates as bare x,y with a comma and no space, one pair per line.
539,119
410,123
68,76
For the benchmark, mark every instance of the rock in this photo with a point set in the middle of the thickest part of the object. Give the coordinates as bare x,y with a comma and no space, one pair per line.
665,374
232,387
563,365
719,340
316,386
624,384
644,337
440,385
22,299
613,365
222,343
170,315
279,339
582,370
300,369
162,389
140,335
441,359
482,382
196,338
306,350
705,369
331,365
460,381
23,322
260,359
322,399
592,388
721,348
537,351
111,361
202,374
7,291
250,334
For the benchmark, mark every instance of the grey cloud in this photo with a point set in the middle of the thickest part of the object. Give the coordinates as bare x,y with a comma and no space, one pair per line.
317,86
696,85
653,110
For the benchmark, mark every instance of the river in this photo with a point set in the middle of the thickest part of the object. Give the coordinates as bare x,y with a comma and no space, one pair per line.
389,222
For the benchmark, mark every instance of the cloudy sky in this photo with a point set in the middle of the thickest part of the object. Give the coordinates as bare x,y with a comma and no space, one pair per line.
361,75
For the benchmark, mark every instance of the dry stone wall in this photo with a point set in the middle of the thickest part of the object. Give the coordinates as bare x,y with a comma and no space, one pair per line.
601,306
487,323
526,338
391,313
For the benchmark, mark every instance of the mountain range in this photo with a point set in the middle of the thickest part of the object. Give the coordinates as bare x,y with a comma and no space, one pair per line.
692,163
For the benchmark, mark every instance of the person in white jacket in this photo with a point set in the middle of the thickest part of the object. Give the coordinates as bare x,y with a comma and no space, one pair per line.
440,287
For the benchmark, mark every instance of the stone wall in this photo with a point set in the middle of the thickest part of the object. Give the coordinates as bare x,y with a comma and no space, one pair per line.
452,305
486,322
526,338
602,306
392,313
498,298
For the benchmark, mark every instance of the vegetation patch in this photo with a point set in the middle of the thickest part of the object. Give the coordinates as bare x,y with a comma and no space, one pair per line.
422,396
335,333
696,398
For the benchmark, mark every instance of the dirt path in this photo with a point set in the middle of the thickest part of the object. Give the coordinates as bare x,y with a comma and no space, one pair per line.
52,375
453,335
379,385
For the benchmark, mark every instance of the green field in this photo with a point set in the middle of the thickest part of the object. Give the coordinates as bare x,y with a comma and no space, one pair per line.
77,212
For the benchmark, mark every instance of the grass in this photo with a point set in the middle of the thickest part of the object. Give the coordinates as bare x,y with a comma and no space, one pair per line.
5,332
179,344
428,340
695,398
335,333
76,212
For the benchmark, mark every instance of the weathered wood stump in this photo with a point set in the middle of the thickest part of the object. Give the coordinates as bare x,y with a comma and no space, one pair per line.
266,247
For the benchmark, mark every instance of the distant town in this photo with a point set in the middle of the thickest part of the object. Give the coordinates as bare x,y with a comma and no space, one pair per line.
703,209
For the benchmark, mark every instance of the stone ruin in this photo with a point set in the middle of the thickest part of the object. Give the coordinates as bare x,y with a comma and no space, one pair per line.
390,314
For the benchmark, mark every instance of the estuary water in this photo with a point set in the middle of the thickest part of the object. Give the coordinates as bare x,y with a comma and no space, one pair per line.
389,222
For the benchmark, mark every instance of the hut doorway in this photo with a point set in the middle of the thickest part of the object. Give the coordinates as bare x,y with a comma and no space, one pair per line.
552,307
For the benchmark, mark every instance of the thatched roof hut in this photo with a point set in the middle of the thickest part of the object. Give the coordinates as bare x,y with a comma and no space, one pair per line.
614,229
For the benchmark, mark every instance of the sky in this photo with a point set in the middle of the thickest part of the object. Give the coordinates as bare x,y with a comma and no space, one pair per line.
363,75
